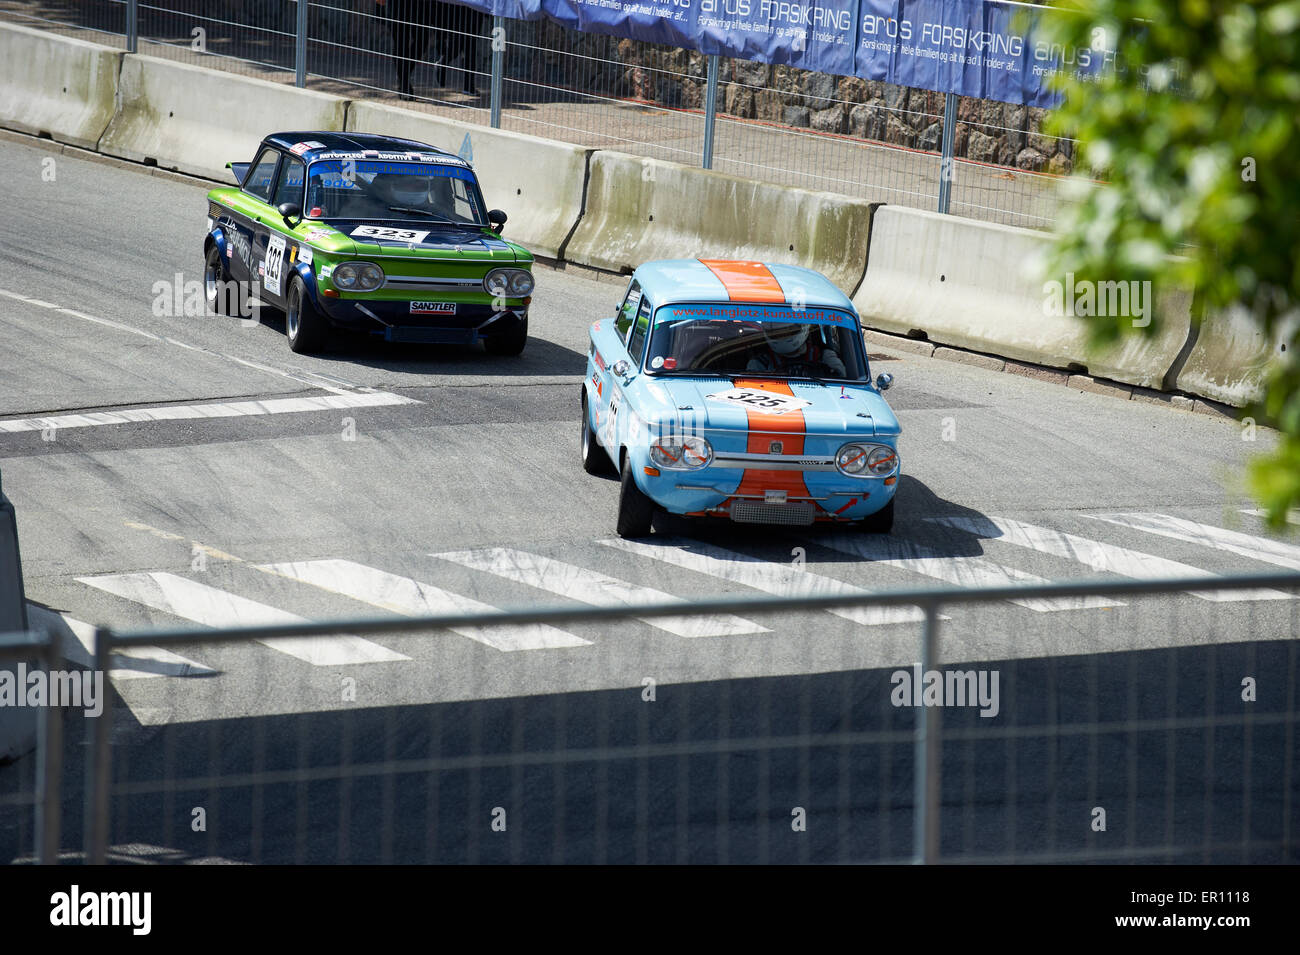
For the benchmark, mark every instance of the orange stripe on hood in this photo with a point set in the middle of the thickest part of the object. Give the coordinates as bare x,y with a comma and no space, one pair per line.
790,428
746,281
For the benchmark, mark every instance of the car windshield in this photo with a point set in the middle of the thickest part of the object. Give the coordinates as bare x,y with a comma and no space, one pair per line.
368,189
759,340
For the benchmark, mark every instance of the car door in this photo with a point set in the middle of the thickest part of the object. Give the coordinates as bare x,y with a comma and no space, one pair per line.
610,343
244,223
273,234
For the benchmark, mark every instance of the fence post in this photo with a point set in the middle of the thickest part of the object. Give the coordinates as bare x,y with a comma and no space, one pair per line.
710,110
946,164
925,801
49,764
98,778
132,25
300,45
498,67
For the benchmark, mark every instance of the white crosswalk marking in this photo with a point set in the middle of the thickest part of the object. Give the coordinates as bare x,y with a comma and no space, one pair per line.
406,596
963,571
1106,558
592,587
1234,542
133,663
211,607
737,568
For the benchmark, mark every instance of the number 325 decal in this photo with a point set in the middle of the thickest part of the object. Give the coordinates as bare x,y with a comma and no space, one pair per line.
760,400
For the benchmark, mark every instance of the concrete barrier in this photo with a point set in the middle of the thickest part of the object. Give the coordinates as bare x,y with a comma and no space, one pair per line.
1232,357
538,183
55,86
17,724
642,209
975,285
195,120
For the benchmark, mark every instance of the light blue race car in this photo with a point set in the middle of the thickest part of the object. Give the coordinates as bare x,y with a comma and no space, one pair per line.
738,390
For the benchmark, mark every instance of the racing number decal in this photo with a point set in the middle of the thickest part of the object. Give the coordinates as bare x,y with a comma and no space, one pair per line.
397,235
274,263
768,401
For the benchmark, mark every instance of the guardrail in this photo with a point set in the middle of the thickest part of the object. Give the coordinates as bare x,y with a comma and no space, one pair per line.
1145,724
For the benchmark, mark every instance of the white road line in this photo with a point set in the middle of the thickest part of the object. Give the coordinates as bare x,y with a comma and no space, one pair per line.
134,663
211,607
225,409
969,571
1106,558
1234,542
777,579
406,596
1292,517
592,587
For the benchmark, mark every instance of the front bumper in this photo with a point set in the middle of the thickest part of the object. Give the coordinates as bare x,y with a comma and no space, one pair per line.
423,321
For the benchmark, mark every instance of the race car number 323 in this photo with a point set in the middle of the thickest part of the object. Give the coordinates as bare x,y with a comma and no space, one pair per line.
397,235
274,264
768,401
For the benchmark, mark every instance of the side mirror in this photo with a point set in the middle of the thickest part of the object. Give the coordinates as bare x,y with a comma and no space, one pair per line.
622,368
497,220
884,381
289,210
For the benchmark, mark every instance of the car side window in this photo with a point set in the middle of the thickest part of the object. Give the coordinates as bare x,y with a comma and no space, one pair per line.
636,344
258,181
288,186
627,311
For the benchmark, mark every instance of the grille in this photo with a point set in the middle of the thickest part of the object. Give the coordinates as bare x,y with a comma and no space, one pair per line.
757,512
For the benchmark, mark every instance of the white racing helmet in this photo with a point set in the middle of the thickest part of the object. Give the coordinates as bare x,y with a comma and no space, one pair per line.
786,339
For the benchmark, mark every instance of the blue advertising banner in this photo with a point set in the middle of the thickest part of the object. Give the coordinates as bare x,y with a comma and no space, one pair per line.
967,47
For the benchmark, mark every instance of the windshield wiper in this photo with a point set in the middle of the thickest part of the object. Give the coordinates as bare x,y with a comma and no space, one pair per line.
423,214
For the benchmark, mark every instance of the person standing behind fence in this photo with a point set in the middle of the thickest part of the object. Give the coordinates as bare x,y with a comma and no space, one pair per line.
450,28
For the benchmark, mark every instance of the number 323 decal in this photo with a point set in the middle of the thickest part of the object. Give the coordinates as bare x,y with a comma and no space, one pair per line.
397,235
767,401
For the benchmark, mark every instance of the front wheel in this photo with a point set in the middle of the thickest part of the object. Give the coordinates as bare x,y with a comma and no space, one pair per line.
635,510
221,293
594,459
881,522
508,343
305,327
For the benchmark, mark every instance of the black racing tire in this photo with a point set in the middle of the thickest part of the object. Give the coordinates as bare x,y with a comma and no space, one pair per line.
219,291
306,328
594,459
881,522
635,510
509,343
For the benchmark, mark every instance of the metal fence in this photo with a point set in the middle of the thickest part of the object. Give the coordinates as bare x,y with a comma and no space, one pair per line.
775,123
1152,753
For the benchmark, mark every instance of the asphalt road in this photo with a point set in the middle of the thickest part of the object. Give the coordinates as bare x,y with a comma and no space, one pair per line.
400,478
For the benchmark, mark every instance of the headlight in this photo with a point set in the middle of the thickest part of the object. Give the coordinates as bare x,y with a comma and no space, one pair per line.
510,283
358,277
681,453
867,460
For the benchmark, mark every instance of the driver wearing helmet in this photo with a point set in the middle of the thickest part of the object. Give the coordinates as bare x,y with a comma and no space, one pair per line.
407,192
792,350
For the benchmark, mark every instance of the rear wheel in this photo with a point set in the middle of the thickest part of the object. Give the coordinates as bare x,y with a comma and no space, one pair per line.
635,510
221,294
881,522
594,459
305,327
508,343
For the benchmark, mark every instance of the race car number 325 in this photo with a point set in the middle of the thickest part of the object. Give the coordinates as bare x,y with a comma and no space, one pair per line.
768,401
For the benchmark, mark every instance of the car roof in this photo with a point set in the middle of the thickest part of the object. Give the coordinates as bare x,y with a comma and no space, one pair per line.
313,145
736,280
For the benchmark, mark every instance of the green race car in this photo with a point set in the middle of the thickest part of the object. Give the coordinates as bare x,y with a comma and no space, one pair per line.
369,233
